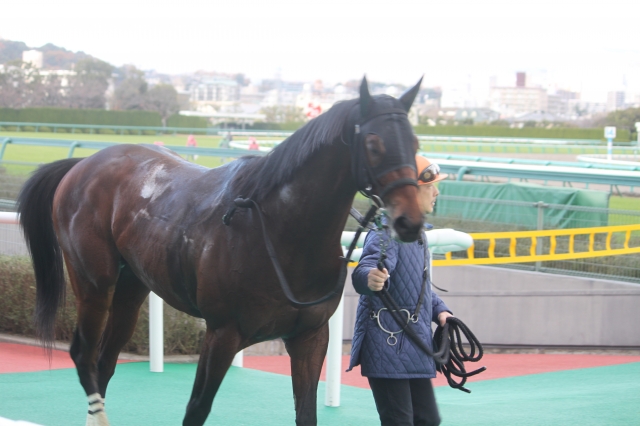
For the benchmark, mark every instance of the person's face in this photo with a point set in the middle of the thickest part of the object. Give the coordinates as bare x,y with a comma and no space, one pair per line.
427,197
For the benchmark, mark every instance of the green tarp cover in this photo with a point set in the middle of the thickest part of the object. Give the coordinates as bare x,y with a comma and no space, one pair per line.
486,210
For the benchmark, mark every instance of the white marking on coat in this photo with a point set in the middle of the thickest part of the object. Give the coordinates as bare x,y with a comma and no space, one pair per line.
142,213
153,185
286,194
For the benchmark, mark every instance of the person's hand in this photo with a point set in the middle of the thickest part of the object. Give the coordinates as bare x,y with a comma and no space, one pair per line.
376,279
442,317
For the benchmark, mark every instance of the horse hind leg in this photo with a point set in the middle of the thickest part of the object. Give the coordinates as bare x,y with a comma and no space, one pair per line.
129,295
218,349
94,287
307,352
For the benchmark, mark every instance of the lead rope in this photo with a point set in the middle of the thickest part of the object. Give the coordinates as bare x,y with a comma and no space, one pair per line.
449,353
458,355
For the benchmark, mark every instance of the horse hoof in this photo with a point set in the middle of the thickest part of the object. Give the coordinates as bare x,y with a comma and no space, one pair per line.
97,419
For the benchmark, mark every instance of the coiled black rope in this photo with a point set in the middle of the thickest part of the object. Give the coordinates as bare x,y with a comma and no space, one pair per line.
450,336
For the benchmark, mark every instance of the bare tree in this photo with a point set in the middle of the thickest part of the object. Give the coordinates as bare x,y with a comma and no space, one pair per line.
162,98
20,85
87,89
52,92
283,114
131,89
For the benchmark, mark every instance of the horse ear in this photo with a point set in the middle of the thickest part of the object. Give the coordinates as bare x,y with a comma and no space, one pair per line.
409,96
365,97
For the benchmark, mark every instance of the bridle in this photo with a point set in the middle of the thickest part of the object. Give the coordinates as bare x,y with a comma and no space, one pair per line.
367,180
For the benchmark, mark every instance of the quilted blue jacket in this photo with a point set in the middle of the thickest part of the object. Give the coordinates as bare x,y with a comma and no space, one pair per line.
405,263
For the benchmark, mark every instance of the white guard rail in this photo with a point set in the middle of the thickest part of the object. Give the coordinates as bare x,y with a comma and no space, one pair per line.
439,240
8,218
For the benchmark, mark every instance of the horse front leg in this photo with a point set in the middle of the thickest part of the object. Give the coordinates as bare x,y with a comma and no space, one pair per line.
307,352
218,349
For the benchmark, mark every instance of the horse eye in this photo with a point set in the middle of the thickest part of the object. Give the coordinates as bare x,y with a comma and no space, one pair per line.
375,149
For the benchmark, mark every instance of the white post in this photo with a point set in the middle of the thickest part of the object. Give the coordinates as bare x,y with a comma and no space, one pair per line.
238,360
156,334
334,357
610,134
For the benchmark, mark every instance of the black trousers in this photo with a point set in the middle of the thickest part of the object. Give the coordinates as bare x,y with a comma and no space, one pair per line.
405,402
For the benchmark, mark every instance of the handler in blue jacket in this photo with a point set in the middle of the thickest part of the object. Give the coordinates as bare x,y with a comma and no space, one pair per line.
399,373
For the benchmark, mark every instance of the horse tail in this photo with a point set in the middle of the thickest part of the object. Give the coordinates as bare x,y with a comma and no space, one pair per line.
35,206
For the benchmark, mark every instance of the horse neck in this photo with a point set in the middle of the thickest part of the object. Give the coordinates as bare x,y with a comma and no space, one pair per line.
317,200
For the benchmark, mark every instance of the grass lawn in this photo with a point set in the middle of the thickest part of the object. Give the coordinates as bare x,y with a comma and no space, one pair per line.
624,203
45,154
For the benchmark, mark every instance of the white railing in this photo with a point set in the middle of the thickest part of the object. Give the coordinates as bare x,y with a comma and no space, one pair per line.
439,240
8,218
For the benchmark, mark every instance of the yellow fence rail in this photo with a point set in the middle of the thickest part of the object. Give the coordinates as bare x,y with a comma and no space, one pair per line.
534,254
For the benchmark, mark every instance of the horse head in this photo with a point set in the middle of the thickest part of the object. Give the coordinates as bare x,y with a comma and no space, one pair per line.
383,157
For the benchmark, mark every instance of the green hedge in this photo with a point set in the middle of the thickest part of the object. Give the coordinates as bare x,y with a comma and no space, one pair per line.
289,126
152,119
183,334
525,132
97,117
81,116
184,121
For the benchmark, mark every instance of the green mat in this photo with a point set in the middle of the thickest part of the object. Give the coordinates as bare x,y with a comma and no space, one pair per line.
594,396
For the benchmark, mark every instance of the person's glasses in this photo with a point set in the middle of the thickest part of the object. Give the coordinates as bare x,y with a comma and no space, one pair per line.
429,174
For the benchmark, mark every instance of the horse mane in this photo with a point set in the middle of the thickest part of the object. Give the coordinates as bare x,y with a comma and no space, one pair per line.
261,175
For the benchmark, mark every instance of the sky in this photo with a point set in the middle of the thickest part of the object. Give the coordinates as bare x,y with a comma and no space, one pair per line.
587,46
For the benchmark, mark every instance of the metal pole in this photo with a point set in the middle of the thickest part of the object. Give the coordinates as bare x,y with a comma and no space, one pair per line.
540,226
334,357
609,148
156,334
238,360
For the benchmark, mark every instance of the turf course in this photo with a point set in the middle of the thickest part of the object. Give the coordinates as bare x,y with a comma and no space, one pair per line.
45,154
592,396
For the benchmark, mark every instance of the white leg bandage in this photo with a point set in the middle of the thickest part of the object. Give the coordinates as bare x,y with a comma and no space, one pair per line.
96,415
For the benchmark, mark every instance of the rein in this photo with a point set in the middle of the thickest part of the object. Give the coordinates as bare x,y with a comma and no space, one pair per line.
286,288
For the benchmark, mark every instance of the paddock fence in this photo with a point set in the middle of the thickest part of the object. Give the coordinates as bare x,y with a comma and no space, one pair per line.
518,217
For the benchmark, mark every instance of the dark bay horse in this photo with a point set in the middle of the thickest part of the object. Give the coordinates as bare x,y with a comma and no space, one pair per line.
132,219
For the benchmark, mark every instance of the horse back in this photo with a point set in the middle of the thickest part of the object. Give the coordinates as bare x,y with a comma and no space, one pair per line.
143,207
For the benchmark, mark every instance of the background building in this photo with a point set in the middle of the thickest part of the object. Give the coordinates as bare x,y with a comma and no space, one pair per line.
513,101
33,57
615,100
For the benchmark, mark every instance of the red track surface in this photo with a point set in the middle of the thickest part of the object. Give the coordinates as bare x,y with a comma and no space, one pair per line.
16,358
498,366
22,359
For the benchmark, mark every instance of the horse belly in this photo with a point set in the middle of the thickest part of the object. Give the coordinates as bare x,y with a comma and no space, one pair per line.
151,261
